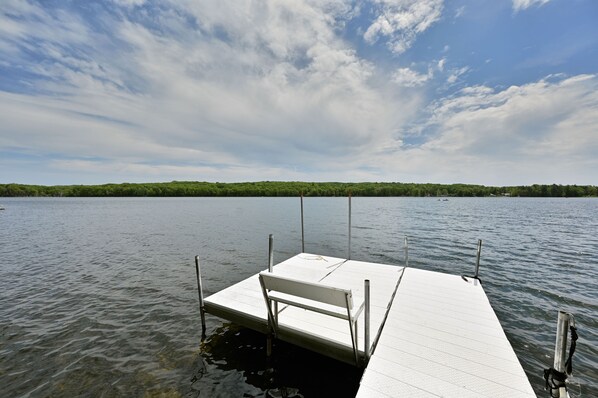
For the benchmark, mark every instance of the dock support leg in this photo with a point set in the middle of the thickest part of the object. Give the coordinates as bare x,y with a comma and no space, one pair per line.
406,253
560,347
271,268
349,249
269,345
367,320
270,253
200,292
272,319
302,228
477,263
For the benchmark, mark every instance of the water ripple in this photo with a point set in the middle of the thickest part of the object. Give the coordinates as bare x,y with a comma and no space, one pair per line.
98,296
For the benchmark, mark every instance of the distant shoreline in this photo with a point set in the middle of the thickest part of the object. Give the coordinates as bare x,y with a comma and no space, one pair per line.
289,189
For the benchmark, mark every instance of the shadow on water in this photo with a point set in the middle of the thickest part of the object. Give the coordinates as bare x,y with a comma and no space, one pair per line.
234,352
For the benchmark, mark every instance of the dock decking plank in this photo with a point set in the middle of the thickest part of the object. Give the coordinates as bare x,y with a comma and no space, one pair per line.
439,336
425,342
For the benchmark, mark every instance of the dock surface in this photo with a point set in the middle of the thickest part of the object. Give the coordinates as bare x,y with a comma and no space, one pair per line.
432,334
443,339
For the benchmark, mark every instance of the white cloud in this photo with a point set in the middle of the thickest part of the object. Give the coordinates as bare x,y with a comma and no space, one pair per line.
542,132
440,64
256,86
455,74
401,21
129,3
231,91
520,5
410,78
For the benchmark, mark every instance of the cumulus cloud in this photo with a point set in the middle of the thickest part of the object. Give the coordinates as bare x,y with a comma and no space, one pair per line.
230,91
534,133
519,5
237,87
401,21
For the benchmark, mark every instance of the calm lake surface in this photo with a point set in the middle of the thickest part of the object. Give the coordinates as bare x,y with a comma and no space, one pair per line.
98,296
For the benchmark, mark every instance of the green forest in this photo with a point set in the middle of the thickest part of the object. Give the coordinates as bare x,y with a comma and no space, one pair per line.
275,188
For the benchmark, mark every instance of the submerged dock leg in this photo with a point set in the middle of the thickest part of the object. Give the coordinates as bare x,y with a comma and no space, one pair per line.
202,312
269,345
560,348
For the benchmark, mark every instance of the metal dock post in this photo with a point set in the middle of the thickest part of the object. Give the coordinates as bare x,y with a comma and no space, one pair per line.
560,349
302,228
367,320
270,253
406,253
271,269
200,292
477,263
349,250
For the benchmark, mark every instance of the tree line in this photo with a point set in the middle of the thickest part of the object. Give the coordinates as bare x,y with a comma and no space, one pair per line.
276,188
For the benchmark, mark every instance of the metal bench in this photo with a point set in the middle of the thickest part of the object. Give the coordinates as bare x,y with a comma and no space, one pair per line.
324,299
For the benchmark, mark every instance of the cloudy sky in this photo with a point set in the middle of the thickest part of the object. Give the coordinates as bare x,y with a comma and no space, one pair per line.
494,92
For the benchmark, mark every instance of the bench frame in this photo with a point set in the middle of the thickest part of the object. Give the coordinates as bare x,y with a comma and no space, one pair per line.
317,297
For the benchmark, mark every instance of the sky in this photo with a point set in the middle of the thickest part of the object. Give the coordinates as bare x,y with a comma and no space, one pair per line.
492,92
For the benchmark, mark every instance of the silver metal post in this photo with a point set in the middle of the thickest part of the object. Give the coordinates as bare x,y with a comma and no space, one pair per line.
302,228
271,268
270,253
367,320
560,347
200,292
477,263
271,320
406,253
349,251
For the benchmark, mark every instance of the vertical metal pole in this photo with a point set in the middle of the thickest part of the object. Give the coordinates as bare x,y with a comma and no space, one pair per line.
270,253
271,269
406,253
477,263
349,251
367,320
200,292
302,228
560,347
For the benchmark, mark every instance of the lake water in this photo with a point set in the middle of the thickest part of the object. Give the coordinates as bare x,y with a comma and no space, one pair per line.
98,296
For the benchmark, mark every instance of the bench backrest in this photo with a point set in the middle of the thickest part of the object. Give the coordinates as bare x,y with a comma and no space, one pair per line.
309,290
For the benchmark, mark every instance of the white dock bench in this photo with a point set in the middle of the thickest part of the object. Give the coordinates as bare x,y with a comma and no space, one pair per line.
320,298
433,334
243,303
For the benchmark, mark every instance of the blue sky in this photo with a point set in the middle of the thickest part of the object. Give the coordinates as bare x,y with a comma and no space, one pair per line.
486,92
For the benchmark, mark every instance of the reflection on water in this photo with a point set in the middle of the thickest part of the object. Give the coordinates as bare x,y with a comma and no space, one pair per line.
241,353
98,296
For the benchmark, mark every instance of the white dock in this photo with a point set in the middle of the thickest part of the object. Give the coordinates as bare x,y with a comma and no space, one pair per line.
443,339
432,334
